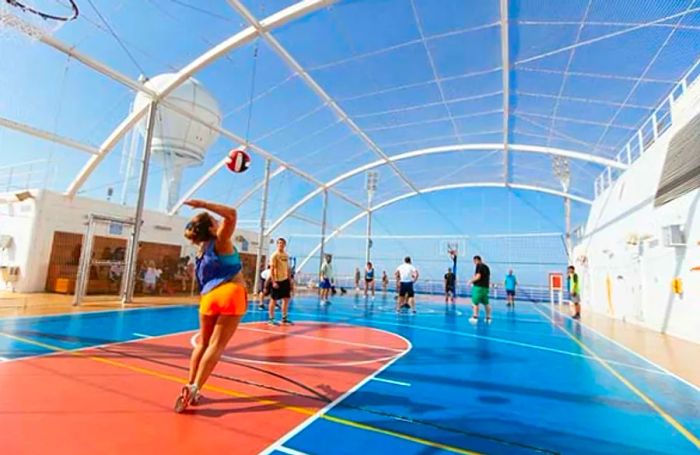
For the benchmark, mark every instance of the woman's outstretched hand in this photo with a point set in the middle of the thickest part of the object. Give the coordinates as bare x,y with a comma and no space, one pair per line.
195,203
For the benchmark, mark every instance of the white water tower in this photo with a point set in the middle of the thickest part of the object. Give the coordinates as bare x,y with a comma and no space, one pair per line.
178,141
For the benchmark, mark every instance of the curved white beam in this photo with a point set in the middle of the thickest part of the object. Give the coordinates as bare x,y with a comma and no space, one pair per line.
447,149
434,189
236,41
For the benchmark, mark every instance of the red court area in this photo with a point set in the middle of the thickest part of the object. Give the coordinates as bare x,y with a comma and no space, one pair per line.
119,398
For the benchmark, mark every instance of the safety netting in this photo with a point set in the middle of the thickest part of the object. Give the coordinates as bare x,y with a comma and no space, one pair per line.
449,102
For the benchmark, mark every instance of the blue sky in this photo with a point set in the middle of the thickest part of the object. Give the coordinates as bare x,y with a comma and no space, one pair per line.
369,56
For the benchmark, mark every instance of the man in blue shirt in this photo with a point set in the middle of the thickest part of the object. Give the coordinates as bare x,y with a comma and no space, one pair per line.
510,284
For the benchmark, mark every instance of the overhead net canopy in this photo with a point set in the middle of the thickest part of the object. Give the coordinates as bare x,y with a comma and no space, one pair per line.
441,99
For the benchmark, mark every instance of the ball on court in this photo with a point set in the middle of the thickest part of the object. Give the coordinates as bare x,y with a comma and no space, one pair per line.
238,160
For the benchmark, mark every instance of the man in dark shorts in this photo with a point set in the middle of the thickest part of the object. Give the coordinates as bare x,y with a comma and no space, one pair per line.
281,282
480,290
406,275
450,281
574,288
326,282
510,284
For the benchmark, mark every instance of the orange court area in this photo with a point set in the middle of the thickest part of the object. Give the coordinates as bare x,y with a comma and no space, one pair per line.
119,398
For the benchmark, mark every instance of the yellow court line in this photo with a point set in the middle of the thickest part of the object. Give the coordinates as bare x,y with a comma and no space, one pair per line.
666,416
225,391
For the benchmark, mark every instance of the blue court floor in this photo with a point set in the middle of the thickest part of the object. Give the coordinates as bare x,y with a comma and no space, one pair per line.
531,382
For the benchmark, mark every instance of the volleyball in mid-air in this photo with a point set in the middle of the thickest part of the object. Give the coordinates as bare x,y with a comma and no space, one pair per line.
238,160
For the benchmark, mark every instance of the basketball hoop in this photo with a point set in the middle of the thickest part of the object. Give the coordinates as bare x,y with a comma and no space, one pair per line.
35,18
452,249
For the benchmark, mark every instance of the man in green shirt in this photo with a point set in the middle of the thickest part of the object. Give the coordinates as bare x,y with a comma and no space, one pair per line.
573,286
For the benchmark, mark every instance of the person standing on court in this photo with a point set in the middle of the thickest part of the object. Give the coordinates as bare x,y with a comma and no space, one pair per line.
510,284
573,286
357,279
385,283
480,290
406,275
264,286
224,298
326,276
369,279
281,282
450,281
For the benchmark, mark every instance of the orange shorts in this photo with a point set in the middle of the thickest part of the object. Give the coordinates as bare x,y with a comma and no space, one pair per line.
229,299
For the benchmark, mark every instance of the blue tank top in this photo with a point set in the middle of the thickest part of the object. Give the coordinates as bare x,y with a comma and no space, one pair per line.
213,269
369,275
510,282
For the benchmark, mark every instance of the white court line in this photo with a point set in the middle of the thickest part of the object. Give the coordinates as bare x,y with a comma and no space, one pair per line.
284,449
329,406
638,355
4,359
141,335
79,313
326,339
84,348
389,381
193,342
504,341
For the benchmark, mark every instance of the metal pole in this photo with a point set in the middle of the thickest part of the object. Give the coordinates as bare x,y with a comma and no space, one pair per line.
371,188
368,233
261,233
84,262
567,222
132,253
323,228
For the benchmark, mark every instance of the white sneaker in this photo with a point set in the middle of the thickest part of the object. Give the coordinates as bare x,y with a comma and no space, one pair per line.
488,320
473,320
196,398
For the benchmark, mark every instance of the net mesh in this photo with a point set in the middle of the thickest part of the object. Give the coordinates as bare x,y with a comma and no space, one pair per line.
32,19
530,256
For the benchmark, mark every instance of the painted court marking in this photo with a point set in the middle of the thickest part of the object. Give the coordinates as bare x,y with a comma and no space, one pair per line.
111,310
290,451
193,342
640,356
313,414
323,414
666,416
502,340
326,339
54,350
389,381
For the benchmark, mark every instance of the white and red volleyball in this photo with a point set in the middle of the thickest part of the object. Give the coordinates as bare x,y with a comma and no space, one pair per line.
238,160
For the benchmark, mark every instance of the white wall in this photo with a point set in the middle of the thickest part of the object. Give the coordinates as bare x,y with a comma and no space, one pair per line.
640,275
32,224
17,221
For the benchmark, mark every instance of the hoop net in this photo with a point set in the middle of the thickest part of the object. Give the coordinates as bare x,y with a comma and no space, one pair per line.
33,19
452,247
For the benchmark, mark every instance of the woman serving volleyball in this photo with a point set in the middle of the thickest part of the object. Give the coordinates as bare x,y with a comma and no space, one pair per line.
224,298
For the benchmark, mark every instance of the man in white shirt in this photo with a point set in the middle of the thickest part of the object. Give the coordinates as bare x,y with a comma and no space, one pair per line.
265,284
326,276
406,275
